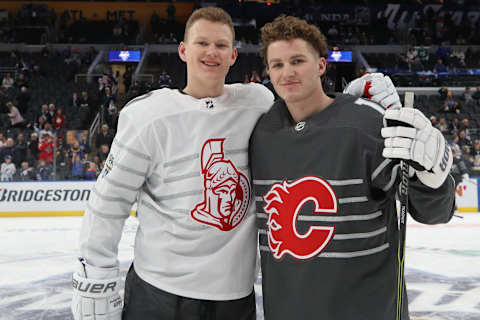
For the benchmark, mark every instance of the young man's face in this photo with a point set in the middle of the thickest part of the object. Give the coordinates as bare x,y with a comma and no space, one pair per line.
295,69
208,51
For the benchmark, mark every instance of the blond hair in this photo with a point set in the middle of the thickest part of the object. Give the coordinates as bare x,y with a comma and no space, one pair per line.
211,14
289,28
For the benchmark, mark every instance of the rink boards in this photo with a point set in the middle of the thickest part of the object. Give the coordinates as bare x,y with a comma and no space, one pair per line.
69,198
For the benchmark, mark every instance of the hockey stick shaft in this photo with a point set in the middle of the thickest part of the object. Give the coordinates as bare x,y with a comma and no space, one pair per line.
403,198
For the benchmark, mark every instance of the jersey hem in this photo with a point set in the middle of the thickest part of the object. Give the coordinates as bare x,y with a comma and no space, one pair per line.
192,294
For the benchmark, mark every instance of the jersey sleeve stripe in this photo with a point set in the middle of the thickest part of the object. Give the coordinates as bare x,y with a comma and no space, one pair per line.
362,235
106,215
134,152
352,254
180,160
109,198
179,195
379,169
119,184
355,254
340,200
347,182
182,177
352,200
349,236
359,217
393,177
130,170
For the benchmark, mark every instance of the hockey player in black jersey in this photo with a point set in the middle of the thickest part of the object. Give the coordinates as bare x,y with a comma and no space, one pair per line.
325,173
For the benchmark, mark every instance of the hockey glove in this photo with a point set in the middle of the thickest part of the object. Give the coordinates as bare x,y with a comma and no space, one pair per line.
95,293
419,142
376,87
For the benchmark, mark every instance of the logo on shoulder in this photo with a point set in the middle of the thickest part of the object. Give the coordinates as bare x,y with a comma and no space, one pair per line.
108,165
226,192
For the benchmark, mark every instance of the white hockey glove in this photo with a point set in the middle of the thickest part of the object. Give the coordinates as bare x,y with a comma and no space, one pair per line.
419,142
95,293
376,87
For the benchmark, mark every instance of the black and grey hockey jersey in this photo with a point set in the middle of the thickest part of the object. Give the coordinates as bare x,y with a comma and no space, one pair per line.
326,212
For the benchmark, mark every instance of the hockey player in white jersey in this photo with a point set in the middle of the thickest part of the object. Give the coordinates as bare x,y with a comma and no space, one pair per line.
183,155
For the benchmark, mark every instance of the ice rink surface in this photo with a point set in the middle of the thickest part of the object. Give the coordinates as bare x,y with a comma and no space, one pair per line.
37,254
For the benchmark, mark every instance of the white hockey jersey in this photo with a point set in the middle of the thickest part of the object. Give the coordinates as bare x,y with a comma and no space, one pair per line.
186,160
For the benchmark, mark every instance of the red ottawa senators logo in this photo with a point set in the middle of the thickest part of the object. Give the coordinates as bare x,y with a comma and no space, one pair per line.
226,192
283,203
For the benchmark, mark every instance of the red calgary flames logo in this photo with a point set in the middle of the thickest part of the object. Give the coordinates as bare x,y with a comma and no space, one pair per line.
283,203
226,192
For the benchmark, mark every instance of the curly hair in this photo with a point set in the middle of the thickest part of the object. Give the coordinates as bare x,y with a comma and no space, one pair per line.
289,28
211,14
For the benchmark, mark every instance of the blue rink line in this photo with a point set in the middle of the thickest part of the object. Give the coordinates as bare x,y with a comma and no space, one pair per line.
49,298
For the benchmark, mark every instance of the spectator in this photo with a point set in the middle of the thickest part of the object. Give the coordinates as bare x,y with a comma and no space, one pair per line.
8,81
411,55
20,81
442,125
26,173
84,145
7,169
77,167
3,141
59,119
465,126
476,94
463,140
16,119
459,168
423,55
103,152
85,100
47,130
44,170
439,66
8,149
46,148
92,172
23,100
443,92
450,104
443,52
104,137
32,148
75,150
164,80
476,154
51,112
454,145
75,100
111,115
20,149
467,95
44,113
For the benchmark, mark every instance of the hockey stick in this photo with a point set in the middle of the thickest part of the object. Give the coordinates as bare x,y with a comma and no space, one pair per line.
403,198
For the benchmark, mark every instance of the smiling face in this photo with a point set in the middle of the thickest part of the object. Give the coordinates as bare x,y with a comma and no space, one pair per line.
295,69
208,52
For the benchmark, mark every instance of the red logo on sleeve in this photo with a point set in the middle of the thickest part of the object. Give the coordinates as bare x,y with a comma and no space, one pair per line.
226,193
283,203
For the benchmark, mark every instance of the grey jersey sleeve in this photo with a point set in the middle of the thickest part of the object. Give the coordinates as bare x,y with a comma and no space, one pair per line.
126,168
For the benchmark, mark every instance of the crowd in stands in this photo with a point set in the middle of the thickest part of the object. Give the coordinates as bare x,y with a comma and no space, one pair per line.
45,136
